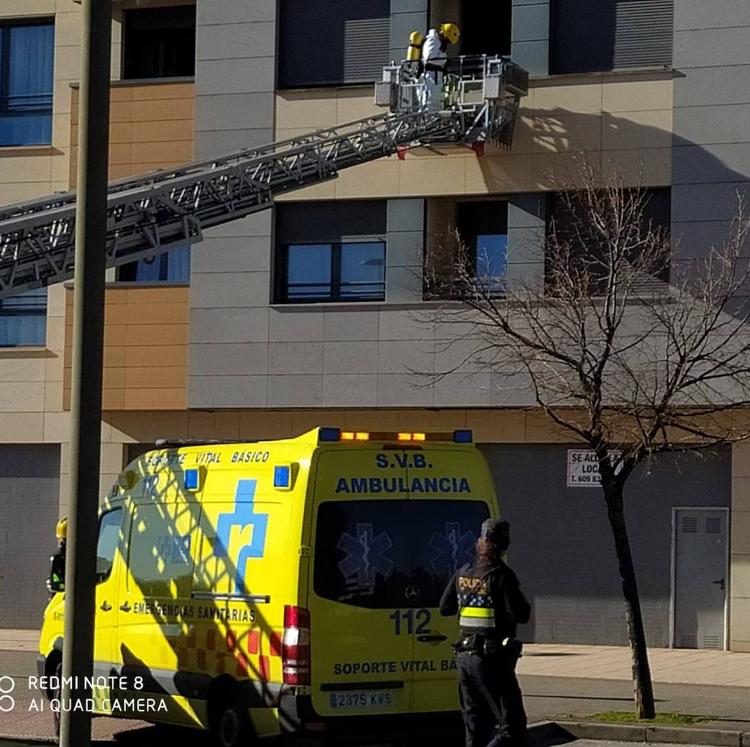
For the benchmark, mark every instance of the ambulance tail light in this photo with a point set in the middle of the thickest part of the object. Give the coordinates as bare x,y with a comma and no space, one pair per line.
295,646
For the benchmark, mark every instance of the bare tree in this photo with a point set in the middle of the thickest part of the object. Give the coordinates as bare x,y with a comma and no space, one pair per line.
629,351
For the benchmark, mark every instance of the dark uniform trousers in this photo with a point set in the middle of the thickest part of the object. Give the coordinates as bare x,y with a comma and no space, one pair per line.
491,700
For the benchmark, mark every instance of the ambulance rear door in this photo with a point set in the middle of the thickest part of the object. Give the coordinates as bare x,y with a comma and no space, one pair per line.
449,498
361,649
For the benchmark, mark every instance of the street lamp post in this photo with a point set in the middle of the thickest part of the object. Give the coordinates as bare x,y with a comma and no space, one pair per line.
86,381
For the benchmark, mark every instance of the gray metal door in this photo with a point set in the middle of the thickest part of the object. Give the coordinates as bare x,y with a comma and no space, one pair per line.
700,577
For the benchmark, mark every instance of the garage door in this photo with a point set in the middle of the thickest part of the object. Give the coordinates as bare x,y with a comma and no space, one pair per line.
29,493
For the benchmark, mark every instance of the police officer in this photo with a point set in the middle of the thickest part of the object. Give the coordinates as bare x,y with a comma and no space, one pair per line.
489,603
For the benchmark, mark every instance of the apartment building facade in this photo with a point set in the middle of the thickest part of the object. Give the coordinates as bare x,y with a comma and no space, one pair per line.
315,312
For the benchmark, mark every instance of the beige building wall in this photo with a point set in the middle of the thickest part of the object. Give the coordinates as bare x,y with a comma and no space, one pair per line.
31,378
619,123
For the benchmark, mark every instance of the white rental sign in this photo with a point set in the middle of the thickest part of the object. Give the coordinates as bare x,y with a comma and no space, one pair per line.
583,468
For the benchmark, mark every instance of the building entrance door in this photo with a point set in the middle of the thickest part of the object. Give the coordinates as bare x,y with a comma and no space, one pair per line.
699,553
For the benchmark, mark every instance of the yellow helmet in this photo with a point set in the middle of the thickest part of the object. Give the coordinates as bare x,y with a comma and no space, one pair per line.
450,31
61,530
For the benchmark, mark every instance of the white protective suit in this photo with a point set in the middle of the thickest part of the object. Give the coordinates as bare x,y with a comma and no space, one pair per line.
434,59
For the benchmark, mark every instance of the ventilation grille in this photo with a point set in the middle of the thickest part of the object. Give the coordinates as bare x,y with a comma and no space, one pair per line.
366,48
713,525
711,641
688,641
689,524
643,34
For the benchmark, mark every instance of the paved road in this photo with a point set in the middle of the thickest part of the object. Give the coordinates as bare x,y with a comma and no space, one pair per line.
547,698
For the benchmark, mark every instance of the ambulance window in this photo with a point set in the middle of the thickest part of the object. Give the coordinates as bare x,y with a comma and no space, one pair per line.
382,554
160,559
109,536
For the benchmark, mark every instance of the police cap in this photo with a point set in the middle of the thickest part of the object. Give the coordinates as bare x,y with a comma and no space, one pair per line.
496,531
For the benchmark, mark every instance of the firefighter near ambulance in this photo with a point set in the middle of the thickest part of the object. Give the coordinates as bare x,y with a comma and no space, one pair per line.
490,604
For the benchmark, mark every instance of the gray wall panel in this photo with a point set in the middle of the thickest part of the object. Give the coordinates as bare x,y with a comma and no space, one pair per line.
233,254
530,35
228,325
29,496
403,257
220,78
708,86
237,359
238,290
237,40
561,543
710,161
526,224
230,391
406,16
234,85
249,111
530,22
217,12
712,124
703,15
711,47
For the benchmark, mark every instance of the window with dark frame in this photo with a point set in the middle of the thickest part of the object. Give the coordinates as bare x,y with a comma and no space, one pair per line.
340,271
159,42
26,79
168,267
332,42
566,215
23,319
330,251
483,228
601,35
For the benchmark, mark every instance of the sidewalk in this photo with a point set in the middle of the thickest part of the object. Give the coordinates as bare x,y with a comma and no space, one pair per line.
18,640
678,666
668,665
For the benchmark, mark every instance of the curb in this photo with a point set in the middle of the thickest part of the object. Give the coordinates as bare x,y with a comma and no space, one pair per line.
637,733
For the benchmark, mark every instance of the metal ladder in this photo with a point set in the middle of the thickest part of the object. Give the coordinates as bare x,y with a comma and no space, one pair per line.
151,214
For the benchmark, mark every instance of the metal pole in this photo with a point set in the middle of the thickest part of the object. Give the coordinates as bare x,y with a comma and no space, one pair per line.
86,382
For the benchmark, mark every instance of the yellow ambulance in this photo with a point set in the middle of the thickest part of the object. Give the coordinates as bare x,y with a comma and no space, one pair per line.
283,586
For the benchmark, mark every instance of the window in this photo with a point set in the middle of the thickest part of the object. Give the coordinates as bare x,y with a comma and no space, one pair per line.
368,552
26,68
160,553
159,42
23,319
483,227
485,27
168,267
354,271
599,35
572,229
109,538
330,251
330,42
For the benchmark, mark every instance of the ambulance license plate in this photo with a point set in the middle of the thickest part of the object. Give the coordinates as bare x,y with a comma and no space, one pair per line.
362,699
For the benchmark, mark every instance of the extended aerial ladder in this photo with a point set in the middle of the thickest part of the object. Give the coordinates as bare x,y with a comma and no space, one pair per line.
159,211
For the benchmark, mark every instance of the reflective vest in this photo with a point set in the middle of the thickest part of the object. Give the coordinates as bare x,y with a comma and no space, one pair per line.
476,604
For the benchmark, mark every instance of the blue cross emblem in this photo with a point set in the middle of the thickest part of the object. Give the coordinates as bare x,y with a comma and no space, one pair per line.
243,515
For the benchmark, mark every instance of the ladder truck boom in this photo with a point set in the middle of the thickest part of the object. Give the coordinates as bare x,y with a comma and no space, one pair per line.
156,212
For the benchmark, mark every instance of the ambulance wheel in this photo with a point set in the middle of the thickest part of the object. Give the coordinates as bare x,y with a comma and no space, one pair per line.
229,719
55,693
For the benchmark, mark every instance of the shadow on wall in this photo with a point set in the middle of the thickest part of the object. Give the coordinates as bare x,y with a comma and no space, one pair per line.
562,547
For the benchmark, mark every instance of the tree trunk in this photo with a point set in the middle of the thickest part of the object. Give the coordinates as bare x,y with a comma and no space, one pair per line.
642,688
